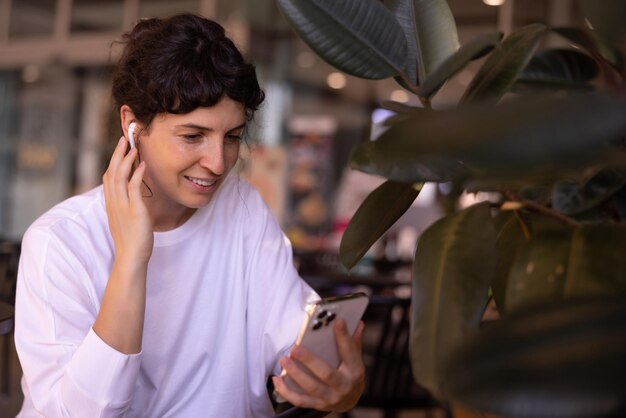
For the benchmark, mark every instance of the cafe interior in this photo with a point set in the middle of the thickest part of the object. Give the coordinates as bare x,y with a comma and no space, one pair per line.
58,129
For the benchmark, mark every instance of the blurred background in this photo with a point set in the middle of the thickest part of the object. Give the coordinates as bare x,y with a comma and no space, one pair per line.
58,124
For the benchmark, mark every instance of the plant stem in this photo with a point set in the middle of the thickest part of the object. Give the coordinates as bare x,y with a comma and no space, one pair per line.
549,212
522,224
415,90
529,204
412,87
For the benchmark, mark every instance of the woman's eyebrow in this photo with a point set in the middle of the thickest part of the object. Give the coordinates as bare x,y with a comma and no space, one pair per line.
206,128
243,125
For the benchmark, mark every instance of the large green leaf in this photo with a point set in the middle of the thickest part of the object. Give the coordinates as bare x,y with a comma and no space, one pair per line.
360,37
374,158
376,214
559,68
594,45
562,263
560,360
573,198
426,159
509,237
501,69
453,268
474,49
402,11
431,34
532,138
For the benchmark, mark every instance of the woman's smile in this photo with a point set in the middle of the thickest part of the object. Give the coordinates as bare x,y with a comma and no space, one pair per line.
203,185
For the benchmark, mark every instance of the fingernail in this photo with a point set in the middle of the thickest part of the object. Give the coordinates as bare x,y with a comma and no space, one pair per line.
121,140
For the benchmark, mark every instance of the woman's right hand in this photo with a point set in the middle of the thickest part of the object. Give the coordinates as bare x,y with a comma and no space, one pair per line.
124,298
129,220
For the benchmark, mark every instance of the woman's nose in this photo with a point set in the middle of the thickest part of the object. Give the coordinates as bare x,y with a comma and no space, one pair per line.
213,157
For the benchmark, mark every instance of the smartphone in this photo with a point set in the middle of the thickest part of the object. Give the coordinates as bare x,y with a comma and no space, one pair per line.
131,134
317,334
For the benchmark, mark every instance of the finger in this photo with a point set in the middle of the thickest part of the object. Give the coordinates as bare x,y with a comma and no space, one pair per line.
121,175
118,172
107,178
295,398
134,185
349,352
358,336
118,152
318,371
126,165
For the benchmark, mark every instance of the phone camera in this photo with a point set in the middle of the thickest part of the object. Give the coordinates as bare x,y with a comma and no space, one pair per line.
323,318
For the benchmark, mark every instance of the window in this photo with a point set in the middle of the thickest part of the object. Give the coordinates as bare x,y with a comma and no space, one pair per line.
166,8
32,18
96,16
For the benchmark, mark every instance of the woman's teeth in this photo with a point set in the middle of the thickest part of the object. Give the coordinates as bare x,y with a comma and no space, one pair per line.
201,182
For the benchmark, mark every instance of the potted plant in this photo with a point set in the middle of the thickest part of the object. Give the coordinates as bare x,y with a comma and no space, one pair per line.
545,130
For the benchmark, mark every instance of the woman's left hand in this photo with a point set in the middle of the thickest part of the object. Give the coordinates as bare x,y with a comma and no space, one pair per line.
326,388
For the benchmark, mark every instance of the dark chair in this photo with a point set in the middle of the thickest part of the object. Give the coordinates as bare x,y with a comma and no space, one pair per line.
286,410
295,412
9,258
7,313
389,382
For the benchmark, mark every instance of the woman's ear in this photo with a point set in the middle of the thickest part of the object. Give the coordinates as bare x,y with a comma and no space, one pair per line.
126,118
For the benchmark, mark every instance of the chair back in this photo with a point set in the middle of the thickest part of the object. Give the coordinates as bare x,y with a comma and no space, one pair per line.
9,260
389,379
295,412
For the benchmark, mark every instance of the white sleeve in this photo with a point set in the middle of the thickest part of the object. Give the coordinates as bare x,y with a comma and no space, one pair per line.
68,370
278,296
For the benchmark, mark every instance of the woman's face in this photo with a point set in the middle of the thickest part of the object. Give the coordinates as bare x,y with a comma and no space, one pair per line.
188,156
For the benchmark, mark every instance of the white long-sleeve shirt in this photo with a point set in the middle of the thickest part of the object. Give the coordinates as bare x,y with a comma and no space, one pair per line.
223,303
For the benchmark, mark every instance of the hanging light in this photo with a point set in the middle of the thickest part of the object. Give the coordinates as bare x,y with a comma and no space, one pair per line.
399,96
494,2
336,80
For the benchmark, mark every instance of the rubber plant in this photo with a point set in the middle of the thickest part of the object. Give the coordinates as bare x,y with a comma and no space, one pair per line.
544,129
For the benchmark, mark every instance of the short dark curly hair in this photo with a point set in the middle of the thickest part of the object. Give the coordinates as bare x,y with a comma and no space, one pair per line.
178,64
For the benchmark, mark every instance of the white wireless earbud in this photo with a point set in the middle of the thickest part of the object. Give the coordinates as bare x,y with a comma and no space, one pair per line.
131,134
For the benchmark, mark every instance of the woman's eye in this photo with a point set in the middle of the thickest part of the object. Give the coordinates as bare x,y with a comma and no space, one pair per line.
193,137
233,138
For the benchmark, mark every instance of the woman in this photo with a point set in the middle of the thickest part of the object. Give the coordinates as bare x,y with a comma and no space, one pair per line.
170,290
